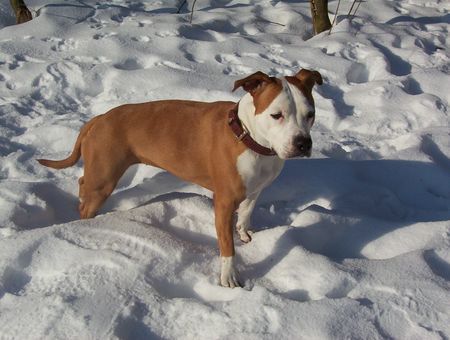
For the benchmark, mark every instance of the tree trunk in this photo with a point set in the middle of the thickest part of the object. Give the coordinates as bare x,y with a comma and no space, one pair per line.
319,12
21,11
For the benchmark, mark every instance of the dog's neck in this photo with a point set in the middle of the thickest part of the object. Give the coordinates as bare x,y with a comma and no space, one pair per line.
246,113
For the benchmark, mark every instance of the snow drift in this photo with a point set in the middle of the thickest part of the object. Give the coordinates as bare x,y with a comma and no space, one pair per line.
353,243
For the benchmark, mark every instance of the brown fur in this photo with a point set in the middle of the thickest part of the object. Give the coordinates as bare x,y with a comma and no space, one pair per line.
190,139
263,97
263,88
304,81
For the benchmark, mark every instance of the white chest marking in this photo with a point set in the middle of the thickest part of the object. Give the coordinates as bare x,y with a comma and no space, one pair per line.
258,171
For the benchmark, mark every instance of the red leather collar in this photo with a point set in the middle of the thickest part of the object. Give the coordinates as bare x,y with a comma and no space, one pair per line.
244,136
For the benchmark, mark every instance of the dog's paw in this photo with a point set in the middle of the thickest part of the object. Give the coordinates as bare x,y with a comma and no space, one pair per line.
230,282
244,235
228,275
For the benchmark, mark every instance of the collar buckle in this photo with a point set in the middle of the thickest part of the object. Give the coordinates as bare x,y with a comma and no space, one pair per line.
242,135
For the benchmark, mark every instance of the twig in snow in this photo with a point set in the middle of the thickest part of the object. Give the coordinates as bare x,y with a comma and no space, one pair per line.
270,22
192,11
354,13
353,4
335,15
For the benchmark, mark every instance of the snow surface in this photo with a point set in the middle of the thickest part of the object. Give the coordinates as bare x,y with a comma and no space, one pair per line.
353,243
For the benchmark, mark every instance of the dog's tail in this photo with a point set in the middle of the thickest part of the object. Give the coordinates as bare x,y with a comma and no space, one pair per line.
76,152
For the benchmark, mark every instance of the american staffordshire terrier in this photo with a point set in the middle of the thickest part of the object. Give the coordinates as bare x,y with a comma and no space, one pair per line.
233,149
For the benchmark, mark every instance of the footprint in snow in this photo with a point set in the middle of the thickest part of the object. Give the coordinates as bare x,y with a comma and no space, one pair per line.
90,60
227,59
144,23
236,70
14,280
276,59
142,38
130,64
411,86
274,49
164,34
10,85
60,45
14,277
99,36
185,48
233,65
17,61
172,65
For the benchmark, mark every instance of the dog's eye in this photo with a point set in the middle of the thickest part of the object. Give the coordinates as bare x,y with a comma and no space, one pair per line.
310,115
277,116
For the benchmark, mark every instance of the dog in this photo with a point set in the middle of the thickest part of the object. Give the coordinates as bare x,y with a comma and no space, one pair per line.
233,149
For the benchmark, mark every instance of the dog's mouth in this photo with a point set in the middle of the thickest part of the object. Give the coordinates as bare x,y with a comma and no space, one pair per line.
293,152
301,147
299,154
303,155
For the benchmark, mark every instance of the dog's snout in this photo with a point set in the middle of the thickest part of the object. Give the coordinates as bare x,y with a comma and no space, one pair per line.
303,144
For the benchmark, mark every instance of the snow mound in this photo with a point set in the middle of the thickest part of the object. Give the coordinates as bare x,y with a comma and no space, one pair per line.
354,243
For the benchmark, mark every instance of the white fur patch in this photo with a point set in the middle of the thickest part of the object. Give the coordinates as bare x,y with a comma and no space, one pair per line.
302,105
228,275
257,171
243,221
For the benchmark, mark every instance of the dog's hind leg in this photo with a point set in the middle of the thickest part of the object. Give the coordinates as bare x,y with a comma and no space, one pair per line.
102,171
81,189
81,193
95,190
94,199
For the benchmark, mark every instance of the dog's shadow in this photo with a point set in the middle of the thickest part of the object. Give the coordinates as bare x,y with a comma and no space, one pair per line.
62,207
147,191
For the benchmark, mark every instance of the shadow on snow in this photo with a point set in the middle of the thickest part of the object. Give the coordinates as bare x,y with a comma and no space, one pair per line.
352,202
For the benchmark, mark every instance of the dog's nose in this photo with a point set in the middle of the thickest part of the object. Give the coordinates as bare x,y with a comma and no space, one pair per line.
303,144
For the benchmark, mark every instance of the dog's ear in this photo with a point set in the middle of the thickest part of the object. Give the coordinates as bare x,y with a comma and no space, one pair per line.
309,78
253,82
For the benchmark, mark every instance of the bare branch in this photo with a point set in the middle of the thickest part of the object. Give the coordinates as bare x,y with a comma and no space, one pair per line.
353,4
335,15
192,11
354,13
270,22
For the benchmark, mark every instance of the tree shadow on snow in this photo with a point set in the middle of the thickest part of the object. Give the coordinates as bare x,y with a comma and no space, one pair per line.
444,19
85,11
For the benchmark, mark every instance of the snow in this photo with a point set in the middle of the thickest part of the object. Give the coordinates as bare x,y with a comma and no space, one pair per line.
352,243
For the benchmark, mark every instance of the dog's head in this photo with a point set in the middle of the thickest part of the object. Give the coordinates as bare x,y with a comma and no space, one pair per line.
284,110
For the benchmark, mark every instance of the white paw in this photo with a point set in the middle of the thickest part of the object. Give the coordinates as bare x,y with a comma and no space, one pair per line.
244,234
228,275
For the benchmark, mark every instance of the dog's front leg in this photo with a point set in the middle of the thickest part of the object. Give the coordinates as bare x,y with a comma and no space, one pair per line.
244,213
224,208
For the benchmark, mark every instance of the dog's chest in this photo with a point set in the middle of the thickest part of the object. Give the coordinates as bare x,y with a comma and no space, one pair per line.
258,171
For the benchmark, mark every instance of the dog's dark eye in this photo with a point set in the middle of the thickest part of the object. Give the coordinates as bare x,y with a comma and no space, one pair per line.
310,114
277,116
